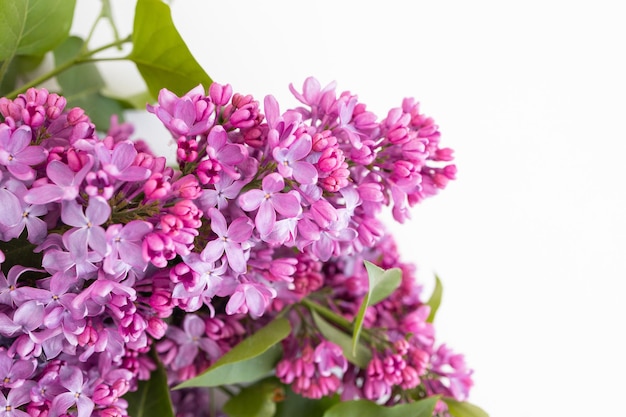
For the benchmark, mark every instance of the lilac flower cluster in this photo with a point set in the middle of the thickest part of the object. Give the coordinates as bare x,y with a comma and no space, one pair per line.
109,254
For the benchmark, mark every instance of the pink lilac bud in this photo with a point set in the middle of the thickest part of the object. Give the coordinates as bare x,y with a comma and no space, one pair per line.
156,327
208,171
220,94
444,154
161,301
324,140
158,248
187,187
111,411
337,180
188,213
187,149
283,269
156,187
331,159
254,137
244,112
365,155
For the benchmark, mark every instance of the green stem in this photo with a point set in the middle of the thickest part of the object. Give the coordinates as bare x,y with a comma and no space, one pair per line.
327,313
80,59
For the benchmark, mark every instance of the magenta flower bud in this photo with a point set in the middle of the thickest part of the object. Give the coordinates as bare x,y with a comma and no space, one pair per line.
156,327
444,154
371,191
187,187
220,94
403,169
337,180
103,395
89,336
323,140
188,213
76,160
55,106
331,159
161,301
111,412
323,213
208,171
283,269
158,248
76,115
170,224
187,149
364,155
156,187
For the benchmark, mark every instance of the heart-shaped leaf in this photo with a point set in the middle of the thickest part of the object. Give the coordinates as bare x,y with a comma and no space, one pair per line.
161,55
251,359
381,284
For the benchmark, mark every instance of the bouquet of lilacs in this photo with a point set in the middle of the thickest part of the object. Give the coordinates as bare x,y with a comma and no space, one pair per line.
254,278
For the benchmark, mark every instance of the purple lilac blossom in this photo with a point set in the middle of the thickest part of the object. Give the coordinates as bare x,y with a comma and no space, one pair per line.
262,211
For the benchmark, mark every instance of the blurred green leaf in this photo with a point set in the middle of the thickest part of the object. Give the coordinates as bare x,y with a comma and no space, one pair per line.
381,284
364,408
257,400
152,398
161,55
82,85
252,358
33,27
435,300
361,357
463,409
297,405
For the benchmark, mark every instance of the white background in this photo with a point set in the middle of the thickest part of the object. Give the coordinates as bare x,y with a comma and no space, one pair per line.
530,240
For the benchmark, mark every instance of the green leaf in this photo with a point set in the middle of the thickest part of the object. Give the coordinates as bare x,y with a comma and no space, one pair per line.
257,400
82,85
33,27
463,409
435,300
364,408
152,398
159,52
297,405
251,359
361,357
381,284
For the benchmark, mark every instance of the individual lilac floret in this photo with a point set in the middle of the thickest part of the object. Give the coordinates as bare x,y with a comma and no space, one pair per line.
16,398
118,163
290,161
17,154
269,200
77,394
229,240
66,183
190,114
190,340
88,230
